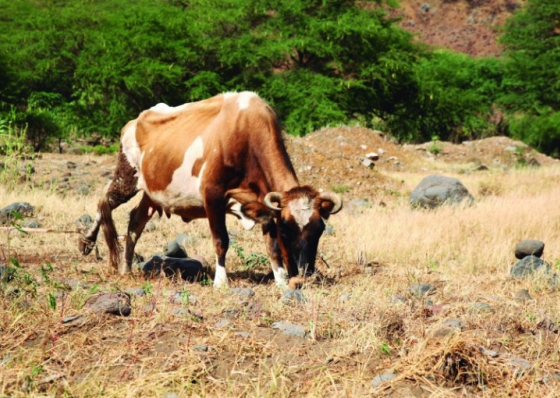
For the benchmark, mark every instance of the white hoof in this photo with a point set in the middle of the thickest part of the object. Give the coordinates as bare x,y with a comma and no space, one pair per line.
220,278
281,278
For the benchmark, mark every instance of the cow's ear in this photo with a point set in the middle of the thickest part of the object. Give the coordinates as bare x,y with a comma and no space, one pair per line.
257,212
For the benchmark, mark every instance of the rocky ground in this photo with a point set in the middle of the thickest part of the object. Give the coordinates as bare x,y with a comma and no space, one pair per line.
411,303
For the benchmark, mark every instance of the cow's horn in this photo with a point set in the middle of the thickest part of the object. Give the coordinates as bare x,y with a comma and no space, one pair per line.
270,197
336,199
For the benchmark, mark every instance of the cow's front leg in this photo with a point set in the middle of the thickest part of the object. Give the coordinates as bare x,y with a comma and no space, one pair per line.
274,254
215,205
139,217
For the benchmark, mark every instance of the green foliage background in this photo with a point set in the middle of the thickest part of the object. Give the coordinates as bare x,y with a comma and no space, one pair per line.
74,67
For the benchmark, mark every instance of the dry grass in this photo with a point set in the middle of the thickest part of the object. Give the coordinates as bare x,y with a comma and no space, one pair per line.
465,252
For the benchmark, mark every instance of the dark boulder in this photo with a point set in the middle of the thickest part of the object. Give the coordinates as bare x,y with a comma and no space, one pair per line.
435,190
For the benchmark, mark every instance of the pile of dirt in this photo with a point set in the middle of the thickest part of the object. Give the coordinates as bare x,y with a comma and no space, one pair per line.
493,152
468,26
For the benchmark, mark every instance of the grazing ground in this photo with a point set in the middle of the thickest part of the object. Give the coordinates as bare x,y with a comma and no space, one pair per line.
474,335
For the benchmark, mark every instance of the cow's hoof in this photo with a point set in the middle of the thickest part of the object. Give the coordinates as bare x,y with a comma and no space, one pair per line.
297,282
220,278
85,245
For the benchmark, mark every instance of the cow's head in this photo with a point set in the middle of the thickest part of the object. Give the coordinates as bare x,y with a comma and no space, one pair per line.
300,215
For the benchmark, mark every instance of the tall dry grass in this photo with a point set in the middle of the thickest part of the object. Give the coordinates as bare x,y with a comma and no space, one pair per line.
360,321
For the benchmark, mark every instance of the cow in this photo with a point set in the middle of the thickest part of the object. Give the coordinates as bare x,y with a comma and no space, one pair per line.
205,159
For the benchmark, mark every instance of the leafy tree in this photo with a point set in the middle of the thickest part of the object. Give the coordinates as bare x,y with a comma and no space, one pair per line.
532,76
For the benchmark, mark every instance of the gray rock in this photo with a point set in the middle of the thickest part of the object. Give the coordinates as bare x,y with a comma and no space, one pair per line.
71,165
435,190
382,378
136,291
231,313
398,298
522,296
175,250
489,353
23,208
71,283
478,308
344,297
529,247
31,224
201,348
553,378
181,297
554,283
520,366
289,328
109,303
6,273
243,335
422,289
84,222
293,295
181,312
448,327
367,163
244,293
357,206
185,268
222,323
528,266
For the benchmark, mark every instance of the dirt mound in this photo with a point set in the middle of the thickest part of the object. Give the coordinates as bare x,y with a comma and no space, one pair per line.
331,159
468,26
493,152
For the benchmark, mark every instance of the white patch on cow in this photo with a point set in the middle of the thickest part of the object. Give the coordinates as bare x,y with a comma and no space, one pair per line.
184,188
200,176
166,109
229,94
302,210
280,276
220,277
235,209
98,217
130,146
244,98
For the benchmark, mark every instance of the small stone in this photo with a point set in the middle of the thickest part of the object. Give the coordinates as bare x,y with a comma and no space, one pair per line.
372,156
244,293
523,296
71,165
109,303
398,298
181,312
222,323
136,291
344,297
520,366
243,335
84,222
185,268
231,313
478,308
422,289
31,224
70,319
481,168
382,378
489,353
529,247
367,163
201,348
175,250
528,266
448,327
289,328
293,295
553,378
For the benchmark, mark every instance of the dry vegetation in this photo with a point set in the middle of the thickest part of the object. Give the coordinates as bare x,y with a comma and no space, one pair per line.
374,253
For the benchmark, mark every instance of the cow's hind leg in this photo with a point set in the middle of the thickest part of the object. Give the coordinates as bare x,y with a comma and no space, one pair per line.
118,191
139,216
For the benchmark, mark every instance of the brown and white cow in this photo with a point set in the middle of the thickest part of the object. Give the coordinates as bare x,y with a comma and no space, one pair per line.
223,155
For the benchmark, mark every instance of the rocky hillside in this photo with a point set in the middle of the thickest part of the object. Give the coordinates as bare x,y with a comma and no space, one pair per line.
468,26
